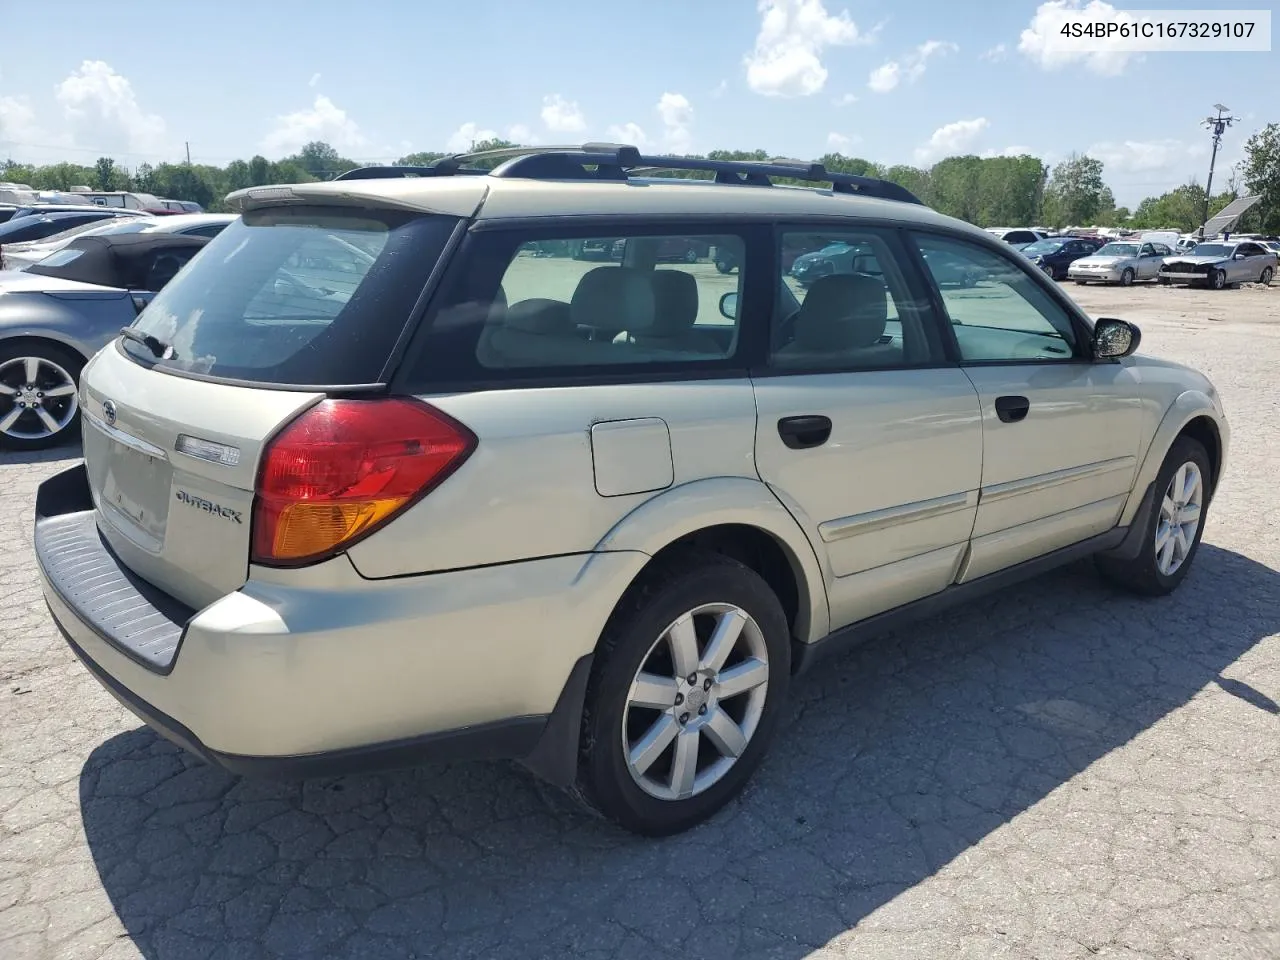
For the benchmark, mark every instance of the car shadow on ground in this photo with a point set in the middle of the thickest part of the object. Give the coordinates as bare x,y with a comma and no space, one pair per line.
898,758
63,451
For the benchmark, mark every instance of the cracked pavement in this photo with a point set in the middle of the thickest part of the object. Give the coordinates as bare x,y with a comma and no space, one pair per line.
1061,771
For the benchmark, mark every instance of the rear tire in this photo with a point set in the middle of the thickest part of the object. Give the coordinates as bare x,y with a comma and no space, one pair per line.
43,409
1168,547
724,266
1264,278
642,790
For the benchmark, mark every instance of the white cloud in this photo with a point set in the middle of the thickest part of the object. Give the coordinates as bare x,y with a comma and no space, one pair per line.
466,135
1042,43
104,114
561,115
1143,156
721,89
325,121
951,139
884,77
521,133
18,122
845,100
315,78
911,68
1014,151
629,133
840,141
996,53
677,118
787,59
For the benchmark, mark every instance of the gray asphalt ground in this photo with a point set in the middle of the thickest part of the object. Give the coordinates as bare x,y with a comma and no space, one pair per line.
1058,772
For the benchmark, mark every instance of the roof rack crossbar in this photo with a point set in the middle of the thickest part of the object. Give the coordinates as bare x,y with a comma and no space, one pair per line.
618,161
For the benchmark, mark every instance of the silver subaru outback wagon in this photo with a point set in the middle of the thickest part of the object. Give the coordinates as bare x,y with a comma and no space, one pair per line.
389,473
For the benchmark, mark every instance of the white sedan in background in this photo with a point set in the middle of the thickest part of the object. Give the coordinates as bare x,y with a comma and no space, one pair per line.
1122,262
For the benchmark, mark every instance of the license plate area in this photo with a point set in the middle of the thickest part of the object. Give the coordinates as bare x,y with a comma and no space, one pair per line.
133,495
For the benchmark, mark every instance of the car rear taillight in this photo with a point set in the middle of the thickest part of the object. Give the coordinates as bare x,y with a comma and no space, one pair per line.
343,469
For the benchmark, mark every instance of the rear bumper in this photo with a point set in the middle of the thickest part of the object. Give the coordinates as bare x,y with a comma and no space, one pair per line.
311,672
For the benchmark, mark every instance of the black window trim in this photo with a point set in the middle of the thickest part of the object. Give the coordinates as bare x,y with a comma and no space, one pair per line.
891,233
752,329
1080,325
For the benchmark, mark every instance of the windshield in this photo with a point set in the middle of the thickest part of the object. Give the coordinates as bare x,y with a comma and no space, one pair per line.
296,296
1118,250
1212,250
1044,246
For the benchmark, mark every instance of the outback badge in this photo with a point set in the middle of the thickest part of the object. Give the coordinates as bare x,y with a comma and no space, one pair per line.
208,506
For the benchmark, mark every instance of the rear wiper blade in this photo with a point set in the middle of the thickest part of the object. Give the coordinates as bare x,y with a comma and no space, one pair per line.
159,349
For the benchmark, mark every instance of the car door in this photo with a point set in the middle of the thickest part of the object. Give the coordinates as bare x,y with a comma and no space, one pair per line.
1246,264
1148,262
1060,432
865,432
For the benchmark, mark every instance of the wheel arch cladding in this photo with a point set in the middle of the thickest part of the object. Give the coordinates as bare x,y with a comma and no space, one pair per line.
1205,431
740,518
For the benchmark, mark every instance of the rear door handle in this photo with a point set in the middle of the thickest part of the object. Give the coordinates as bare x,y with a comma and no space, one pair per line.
1012,409
799,433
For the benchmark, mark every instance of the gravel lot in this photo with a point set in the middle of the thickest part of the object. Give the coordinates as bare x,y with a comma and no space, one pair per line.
1058,772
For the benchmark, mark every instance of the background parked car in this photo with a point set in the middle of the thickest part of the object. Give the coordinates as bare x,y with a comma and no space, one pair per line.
1055,254
1219,264
1017,236
1121,261
32,209
19,256
39,226
47,336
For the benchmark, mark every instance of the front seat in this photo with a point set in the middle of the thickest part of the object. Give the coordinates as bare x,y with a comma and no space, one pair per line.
675,311
840,324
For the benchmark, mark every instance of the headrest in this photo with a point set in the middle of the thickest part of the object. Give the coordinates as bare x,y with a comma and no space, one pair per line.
845,311
613,298
675,302
550,318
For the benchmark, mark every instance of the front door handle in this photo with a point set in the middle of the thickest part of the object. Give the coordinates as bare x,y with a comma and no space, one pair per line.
1012,409
799,433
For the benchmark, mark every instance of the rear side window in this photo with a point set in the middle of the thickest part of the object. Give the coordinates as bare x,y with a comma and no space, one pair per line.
530,304
296,296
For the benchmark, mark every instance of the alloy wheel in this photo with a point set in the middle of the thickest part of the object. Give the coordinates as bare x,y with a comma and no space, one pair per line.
695,702
37,398
1179,520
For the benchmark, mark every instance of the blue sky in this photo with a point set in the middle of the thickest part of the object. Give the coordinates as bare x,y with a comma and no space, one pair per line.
896,81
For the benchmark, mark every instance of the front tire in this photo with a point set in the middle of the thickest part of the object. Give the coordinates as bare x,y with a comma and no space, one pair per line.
38,395
1218,280
686,691
724,266
1126,278
1173,531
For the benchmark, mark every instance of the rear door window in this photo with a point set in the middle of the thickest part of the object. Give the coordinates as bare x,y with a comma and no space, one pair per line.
296,296
551,302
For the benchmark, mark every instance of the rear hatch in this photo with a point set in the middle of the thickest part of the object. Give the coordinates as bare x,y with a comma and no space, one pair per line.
285,306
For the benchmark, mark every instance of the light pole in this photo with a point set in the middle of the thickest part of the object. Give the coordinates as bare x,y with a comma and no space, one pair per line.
1216,126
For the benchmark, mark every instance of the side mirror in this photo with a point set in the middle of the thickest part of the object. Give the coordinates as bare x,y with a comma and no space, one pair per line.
1240,256
1114,339
729,305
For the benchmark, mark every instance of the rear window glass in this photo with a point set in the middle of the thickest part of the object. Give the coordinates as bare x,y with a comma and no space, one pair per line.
61,258
296,296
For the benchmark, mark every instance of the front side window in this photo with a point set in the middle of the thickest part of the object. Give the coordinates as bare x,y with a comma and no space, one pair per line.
295,296
845,305
525,303
1004,315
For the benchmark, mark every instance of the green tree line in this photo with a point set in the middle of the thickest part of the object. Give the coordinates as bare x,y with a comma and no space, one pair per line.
987,191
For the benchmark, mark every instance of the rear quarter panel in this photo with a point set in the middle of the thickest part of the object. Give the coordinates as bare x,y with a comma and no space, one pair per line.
533,486
84,323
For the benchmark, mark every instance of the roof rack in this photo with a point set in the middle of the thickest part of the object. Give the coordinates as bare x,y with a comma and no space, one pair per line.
618,161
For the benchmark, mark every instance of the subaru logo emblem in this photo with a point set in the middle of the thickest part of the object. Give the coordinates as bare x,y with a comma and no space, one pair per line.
109,412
